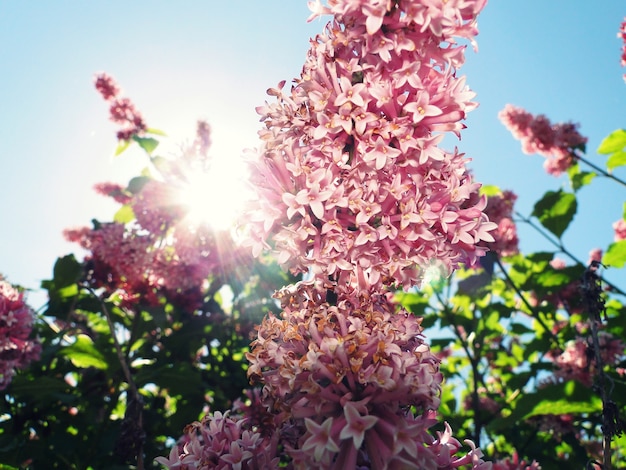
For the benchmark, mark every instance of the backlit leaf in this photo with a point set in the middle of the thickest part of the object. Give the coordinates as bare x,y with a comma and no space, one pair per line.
124,214
616,159
147,143
615,141
154,131
67,271
84,354
122,145
556,210
581,179
615,256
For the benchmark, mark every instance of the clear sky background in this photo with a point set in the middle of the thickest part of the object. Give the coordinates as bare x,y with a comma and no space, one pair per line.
180,61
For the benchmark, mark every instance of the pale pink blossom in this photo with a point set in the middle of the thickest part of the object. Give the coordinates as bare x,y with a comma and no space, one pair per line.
351,182
558,263
515,463
557,142
577,360
320,440
595,255
500,211
620,230
221,442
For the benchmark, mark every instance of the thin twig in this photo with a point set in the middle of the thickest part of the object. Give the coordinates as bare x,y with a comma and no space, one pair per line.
603,172
534,312
476,375
565,251
134,392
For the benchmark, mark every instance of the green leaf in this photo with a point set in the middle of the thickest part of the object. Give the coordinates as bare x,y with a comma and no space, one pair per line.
153,131
556,210
581,179
564,406
124,215
66,271
551,278
520,329
147,143
136,184
122,145
415,303
84,354
37,387
615,256
569,397
490,190
615,141
616,159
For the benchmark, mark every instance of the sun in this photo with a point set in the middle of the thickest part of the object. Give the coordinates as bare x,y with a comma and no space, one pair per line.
216,197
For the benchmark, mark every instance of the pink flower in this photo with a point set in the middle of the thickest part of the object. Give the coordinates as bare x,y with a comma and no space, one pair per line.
515,463
17,348
106,86
224,443
622,35
353,188
122,111
156,253
577,361
344,374
350,180
556,142
113,190
500,211
620,230
356,425
558,263
320,440
237,456
595,255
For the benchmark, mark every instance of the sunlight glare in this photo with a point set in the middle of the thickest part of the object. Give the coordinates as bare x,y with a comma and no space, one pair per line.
217,197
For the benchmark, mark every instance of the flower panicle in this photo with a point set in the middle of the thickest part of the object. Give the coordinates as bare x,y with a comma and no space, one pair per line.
557,142
122,111
350,179
17,346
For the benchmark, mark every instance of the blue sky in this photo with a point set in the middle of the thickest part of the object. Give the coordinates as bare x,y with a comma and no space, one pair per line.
180,61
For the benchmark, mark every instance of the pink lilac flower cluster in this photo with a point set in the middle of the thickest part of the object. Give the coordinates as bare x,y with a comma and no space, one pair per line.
514,463
113,190
500,211
557,426
122,111
556,142
345,375
622,35
222,443
17,347
568,296
486,403
351,182
577,361
353,188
